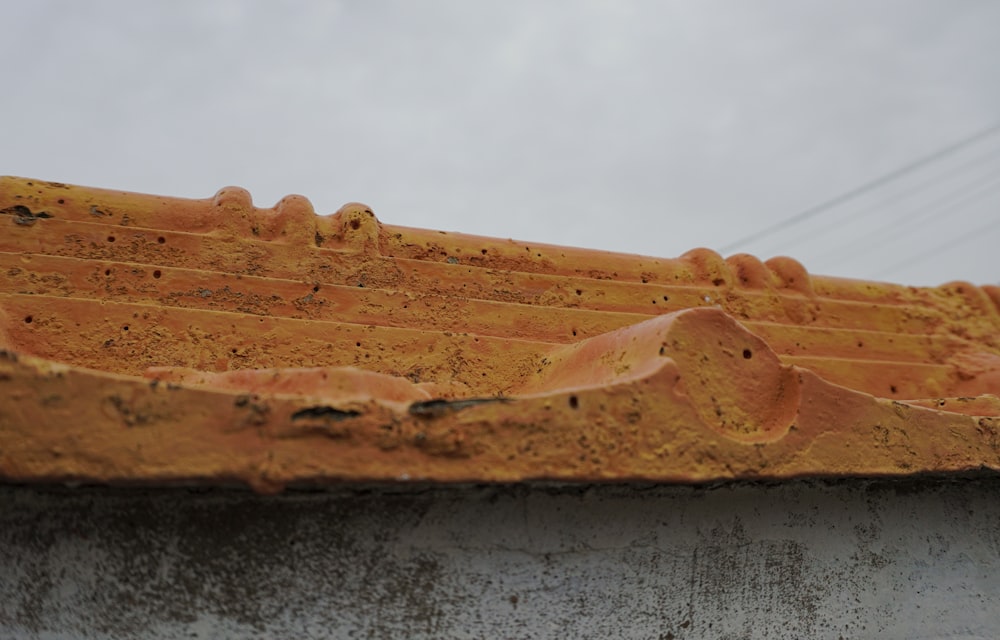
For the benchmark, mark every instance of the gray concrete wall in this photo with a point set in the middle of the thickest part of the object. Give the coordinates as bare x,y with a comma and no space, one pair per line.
850,559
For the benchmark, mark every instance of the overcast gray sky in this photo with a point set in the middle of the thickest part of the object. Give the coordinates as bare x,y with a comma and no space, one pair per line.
645,127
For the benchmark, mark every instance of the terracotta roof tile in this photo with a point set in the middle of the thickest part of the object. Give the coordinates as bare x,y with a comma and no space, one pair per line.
154,339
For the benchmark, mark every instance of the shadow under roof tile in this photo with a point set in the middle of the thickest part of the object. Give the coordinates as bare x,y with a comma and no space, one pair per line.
158,340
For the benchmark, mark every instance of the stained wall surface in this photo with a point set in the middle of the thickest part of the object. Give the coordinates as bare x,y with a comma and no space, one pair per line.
847,559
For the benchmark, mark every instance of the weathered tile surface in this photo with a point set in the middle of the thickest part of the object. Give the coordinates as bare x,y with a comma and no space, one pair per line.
155,339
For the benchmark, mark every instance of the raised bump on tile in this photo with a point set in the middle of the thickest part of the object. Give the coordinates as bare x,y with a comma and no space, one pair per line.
233,198
791,274
749,271
736,383
292,219
976,297
709,267
993,293
359,226
235,211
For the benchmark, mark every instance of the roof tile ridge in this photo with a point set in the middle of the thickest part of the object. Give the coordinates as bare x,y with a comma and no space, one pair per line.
354,228
294,220
291,220
981,299
701,357
993,293
231,210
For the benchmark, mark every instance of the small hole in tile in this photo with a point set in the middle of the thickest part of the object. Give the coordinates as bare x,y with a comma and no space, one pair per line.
574,403
892,388
111,238
28,319
157,274
747,354
161,240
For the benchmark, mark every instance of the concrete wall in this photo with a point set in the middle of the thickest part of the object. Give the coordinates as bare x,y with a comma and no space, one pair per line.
851,559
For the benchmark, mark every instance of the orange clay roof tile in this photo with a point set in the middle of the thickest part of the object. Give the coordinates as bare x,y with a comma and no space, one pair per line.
159,340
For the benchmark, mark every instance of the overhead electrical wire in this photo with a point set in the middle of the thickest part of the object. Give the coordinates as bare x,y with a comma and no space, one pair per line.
864,188
891,199
952,200
940,249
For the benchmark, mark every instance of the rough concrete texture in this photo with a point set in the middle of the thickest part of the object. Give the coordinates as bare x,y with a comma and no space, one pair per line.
847,559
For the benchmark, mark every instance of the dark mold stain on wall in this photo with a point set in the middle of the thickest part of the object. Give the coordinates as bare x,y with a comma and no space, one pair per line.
818,559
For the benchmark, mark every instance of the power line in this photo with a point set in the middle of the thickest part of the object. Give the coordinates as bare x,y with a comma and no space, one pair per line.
940,249
865,188
884,202
969,193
